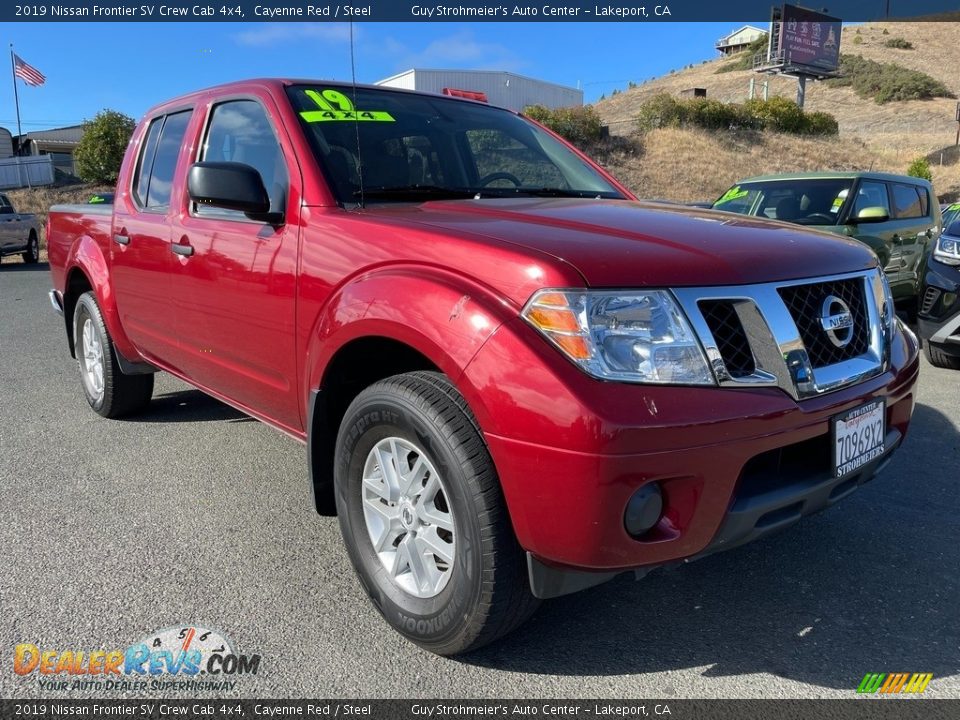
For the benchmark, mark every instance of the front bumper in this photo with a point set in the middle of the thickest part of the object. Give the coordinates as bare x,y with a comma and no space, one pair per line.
732,465
938,319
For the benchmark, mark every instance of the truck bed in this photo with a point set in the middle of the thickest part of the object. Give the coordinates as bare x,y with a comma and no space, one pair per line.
67,225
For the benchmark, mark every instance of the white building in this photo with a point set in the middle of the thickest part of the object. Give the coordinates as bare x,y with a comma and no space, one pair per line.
739,40
504,89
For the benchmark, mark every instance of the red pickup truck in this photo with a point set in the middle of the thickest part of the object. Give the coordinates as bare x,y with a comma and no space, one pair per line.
513,379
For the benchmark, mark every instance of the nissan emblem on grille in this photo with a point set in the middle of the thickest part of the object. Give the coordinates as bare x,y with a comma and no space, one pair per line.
837,321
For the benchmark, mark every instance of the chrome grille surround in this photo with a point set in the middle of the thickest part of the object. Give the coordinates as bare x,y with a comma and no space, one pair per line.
780,356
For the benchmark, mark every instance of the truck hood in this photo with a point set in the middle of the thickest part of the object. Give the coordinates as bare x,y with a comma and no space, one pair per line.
621,243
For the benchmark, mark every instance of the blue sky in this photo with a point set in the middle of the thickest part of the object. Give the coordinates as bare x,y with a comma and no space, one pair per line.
131,66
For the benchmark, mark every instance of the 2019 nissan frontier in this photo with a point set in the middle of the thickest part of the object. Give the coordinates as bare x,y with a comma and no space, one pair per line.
513,379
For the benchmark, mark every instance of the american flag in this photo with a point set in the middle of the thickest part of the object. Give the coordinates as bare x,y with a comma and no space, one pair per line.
26,72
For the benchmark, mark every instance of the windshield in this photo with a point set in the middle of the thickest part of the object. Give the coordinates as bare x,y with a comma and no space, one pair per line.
805,202
420,147
950,215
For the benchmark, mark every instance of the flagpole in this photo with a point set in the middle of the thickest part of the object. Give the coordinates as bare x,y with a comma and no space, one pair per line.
16,100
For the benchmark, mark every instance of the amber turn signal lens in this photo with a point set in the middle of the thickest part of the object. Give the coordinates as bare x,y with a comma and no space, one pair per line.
574,345
548,319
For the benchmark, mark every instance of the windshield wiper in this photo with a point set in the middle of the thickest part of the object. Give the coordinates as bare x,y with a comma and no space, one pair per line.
415,192
544,192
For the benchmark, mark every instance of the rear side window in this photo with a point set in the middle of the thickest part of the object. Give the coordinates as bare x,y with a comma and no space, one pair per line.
154,177
141,179
906,202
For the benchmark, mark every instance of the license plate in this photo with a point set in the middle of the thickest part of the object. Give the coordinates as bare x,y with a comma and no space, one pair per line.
858,437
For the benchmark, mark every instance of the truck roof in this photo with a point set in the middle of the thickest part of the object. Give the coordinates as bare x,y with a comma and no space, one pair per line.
830,174
279,84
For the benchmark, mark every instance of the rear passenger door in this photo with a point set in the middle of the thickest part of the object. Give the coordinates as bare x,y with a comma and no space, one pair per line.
140,242
234,279
913,227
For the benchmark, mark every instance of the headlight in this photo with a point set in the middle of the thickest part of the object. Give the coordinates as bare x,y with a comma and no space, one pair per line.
631,336
947,250
884,298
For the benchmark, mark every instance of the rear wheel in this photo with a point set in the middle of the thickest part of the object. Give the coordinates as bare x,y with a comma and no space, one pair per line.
109,392
32,253
939,358
423,516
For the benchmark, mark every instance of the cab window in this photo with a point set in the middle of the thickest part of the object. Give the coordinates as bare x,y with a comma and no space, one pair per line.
153,180
869,195
240,131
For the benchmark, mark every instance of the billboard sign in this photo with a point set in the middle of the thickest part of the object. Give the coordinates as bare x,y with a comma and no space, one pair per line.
810,39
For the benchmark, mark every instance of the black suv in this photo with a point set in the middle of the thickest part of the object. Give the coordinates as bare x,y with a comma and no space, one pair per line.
938,318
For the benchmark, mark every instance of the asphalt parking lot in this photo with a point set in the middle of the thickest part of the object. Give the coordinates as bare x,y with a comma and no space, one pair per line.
195,514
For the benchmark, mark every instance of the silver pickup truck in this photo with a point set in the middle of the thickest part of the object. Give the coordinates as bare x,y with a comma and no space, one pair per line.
19,234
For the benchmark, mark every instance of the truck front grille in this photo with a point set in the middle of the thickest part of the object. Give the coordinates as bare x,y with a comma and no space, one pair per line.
779,334
805,303
724,323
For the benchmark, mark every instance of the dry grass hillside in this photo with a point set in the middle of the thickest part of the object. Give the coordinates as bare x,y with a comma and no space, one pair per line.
882,137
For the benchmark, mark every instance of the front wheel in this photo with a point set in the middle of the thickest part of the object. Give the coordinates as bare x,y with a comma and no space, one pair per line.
939,358
423,516
108,391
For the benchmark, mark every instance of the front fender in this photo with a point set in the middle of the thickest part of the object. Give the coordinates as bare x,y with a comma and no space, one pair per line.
443,316
86,256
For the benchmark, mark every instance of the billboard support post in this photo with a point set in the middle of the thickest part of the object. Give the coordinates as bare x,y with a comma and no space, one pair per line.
801,90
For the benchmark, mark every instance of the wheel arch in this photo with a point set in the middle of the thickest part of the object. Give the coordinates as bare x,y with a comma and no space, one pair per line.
88,270
395,321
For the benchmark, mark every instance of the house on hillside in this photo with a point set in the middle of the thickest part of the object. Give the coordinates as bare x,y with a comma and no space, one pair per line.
739,40
504,89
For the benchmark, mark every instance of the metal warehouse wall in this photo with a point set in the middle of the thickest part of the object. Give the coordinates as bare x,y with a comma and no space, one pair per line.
502,88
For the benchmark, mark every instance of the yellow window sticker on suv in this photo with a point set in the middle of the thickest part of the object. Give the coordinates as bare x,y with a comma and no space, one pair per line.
333,105
734,193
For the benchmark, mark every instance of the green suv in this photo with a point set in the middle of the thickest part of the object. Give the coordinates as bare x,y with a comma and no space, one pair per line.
896,215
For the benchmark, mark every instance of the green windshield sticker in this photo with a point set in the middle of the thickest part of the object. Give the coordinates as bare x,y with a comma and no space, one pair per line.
96,199
334,105
955,206
734,193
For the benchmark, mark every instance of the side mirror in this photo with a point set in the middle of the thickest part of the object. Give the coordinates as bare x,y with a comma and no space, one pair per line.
870,215
232,186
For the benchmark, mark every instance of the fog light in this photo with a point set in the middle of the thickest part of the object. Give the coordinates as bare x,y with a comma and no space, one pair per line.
643,510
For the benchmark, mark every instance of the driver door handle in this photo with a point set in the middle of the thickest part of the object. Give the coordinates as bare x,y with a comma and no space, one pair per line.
184,250
121,239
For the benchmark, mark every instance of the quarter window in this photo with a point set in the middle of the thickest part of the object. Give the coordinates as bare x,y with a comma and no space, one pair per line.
141,179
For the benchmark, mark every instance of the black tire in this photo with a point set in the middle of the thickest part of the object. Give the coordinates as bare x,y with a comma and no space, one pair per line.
487,594
32,254
121,394
939,358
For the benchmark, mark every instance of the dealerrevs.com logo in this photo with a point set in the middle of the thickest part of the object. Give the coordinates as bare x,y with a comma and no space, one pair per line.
179,658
